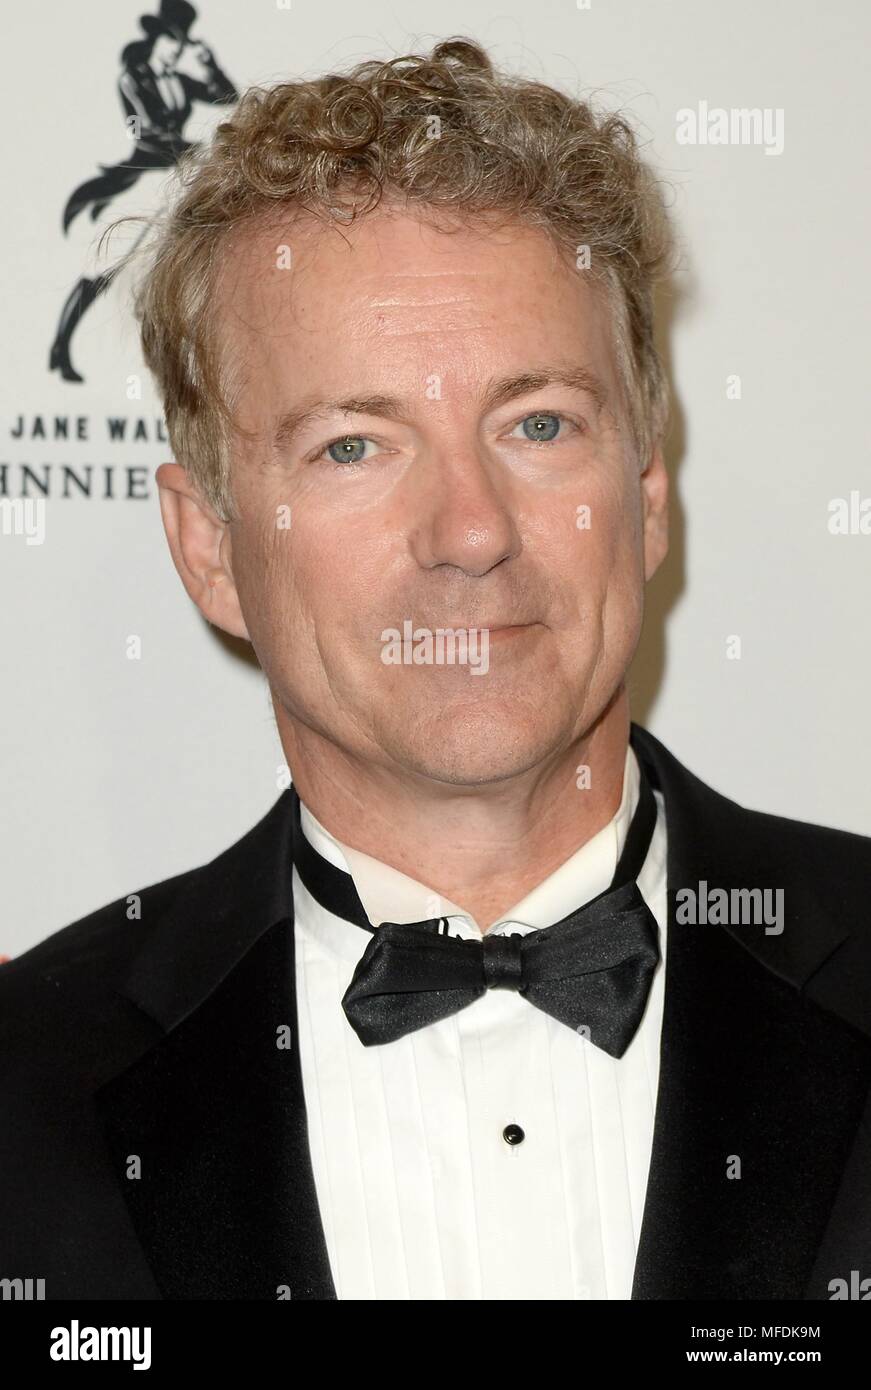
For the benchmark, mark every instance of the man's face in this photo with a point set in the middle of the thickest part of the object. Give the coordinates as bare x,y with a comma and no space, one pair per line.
443,508
166,51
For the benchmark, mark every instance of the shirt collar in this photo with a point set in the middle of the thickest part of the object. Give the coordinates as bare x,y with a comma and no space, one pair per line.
388,895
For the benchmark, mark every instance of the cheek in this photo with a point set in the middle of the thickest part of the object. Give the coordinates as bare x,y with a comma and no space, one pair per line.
264,568
347,567
589,549
614,538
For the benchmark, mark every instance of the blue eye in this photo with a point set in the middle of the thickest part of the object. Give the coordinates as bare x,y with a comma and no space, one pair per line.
349,449
544,426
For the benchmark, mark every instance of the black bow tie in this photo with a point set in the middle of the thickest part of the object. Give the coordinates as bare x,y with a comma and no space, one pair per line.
592,970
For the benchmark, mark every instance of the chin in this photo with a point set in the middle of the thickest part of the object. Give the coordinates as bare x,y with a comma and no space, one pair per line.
467,745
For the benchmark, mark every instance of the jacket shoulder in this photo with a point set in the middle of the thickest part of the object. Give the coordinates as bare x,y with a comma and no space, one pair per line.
721,828
809,849
822,874
75,971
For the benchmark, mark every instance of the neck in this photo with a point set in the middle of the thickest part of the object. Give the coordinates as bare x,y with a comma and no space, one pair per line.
484,851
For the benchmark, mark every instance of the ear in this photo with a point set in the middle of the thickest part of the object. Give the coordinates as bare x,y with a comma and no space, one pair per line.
199,542
654,488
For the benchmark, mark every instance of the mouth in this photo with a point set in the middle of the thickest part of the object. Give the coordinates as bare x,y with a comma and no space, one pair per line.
462,626
500,634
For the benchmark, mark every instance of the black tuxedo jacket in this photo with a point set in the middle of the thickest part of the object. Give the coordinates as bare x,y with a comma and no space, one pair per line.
155,1039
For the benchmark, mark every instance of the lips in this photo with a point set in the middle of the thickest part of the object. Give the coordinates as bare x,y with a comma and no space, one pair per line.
499,625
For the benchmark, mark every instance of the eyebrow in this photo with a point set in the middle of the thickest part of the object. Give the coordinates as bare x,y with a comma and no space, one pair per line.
496,392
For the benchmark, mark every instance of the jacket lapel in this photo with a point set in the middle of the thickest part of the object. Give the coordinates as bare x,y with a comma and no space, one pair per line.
750,1082
224,1204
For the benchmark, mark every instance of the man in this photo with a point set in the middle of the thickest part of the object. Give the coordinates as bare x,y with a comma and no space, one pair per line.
499,1000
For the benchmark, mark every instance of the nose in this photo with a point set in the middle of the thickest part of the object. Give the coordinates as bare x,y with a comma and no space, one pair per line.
462,514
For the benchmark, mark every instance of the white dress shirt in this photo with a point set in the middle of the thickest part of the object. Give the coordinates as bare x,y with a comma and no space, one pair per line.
420,1195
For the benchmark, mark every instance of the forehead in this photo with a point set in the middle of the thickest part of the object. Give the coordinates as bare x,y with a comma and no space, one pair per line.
302,304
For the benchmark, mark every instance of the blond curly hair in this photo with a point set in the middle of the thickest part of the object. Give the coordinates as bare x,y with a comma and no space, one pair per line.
505,146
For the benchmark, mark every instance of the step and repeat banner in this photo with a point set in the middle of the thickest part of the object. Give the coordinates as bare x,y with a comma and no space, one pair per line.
136,740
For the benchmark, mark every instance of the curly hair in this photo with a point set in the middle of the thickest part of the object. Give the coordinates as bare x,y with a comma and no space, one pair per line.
504,145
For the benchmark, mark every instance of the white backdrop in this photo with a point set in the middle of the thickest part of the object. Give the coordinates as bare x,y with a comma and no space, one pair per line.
118,773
